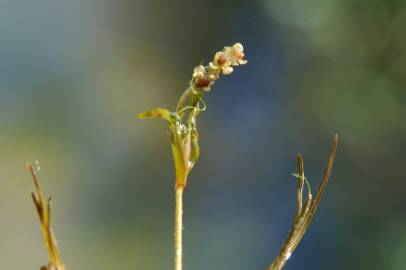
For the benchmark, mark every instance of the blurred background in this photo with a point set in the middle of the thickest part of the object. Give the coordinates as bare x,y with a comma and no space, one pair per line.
73,75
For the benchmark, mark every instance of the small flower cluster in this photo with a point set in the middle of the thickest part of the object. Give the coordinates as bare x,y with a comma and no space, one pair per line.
223,62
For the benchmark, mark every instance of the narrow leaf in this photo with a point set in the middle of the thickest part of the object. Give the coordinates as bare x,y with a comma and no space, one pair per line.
157,113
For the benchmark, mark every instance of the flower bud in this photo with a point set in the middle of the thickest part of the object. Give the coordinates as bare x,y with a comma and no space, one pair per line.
202,82
228,70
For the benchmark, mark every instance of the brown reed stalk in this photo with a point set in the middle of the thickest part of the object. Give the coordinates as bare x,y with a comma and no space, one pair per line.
43,207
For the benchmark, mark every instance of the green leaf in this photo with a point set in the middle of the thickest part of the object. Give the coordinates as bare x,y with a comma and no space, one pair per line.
179,159
195,151
157,113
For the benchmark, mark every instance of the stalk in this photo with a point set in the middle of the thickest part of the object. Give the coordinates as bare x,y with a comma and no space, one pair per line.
178,227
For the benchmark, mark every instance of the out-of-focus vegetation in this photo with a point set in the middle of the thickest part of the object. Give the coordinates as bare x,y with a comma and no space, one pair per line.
73,74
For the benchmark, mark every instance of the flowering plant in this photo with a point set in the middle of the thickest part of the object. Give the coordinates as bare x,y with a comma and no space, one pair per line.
182,122
183,126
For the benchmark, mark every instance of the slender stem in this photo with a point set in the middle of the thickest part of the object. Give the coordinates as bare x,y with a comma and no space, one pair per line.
178,227
304,214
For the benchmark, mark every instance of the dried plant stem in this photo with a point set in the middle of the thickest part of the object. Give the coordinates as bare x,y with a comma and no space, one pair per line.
305,212
178,227
43,207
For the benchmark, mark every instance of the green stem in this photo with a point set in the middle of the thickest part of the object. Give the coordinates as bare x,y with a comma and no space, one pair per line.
178,227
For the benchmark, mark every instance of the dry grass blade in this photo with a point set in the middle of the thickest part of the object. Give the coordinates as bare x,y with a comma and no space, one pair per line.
43,207
304,214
